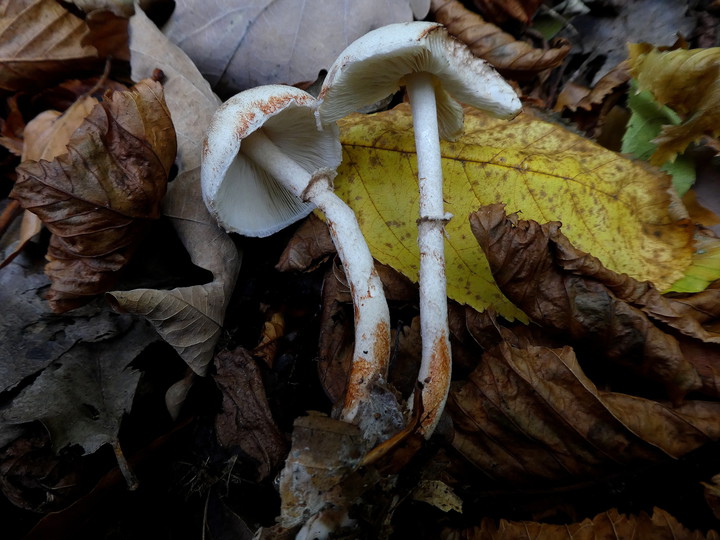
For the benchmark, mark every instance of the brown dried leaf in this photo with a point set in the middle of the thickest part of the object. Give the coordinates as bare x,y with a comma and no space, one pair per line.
531,416
46,137
574,96
503,10
608,525
188,318
308,247
335,348
524,262
336,332
12,127
712,494
245,420
108,34
123,153
509,56
685,315
40,42
273,329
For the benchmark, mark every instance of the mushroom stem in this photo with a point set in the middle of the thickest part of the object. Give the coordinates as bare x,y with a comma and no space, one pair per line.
372,317
435,366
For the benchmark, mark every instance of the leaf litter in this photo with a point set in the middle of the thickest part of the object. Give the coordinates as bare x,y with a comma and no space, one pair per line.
610,378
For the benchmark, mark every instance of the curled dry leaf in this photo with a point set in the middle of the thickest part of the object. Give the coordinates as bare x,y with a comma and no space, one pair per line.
273,329
574,96
523,260
509,56
531,417
310,243
687,81
610,525
40,41
712,494
98,197
335,348
188,318
245,420
503,10
686,315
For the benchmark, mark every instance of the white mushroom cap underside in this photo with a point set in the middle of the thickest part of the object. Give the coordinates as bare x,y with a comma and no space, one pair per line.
241,196
373,67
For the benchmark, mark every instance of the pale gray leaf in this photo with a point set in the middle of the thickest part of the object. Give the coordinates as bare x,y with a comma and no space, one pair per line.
238,45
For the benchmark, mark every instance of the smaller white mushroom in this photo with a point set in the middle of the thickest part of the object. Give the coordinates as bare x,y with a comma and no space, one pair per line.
263,156
437,70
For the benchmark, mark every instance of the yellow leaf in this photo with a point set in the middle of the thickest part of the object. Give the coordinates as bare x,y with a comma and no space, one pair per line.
610,206
705,266
687,82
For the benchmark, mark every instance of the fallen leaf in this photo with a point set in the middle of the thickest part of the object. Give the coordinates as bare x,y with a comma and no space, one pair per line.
33,477
685,314
121,8
188,318
245,420
645,123
686,81
609,206
33,337
46,137
531,417
697,212
537,268
272,331
311,242
108,34
39,42
704,266
12,127
712,494
438,494
574,96
610,524
600,36
123,151
501,11
274,41
508,55
70,371
82,399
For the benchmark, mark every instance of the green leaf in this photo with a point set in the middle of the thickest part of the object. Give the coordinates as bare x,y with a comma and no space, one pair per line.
647,119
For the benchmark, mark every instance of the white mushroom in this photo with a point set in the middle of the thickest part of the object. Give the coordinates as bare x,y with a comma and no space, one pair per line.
437,70
263,155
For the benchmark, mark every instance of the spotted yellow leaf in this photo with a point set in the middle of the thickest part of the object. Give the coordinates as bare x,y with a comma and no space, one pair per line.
609,206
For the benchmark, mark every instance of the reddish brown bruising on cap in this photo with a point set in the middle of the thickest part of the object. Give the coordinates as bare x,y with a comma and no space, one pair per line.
267,108
435,386
432,30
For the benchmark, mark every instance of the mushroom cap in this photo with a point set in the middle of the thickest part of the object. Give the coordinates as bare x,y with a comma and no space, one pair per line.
373,66
241,195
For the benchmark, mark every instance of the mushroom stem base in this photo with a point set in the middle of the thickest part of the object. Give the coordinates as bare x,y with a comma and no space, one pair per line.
372,317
